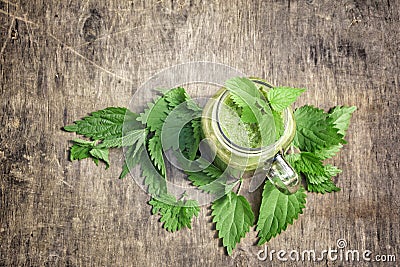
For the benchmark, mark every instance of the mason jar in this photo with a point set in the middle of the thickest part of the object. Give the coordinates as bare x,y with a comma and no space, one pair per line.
268,160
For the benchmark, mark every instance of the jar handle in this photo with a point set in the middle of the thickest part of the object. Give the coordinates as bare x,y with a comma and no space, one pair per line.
282,175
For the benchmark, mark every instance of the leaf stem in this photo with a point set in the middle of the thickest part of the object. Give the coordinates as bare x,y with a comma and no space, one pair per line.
240,185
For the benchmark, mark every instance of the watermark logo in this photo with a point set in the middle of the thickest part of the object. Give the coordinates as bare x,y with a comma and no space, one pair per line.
339,252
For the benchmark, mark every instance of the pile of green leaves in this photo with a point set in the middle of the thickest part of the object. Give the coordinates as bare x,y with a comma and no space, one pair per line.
260,110
319,136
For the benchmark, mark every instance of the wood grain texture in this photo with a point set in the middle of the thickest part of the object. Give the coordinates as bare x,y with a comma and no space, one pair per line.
60,60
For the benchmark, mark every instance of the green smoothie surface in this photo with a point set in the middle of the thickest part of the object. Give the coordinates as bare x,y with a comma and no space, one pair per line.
243,134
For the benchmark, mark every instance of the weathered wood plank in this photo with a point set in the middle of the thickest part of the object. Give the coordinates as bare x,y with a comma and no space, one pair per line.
60,60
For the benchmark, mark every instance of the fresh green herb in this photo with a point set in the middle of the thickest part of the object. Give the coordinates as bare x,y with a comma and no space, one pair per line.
103,126
254,109
175,215
277,211
283,96
233,217
314,130
327,186
340,117
172,123
212,180
319,136
260,110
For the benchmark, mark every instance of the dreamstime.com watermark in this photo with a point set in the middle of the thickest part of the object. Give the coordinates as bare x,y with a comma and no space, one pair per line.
338,253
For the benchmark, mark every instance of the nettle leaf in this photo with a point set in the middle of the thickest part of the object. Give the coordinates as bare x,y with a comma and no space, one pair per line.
278,121
327,186
244,88
79,151
182,130
101,154
175,215
267,128
233,217
282,97
133,154
318,176
153,117
315,131
212,180
173,102
329,152
175,97
106,123
329,171
248,115
204,177
254,107
277,210
200,178
88,149
156,153
155,182
128,139
306,162
132,158
341,116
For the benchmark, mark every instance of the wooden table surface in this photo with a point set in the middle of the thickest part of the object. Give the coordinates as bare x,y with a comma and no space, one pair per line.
60,60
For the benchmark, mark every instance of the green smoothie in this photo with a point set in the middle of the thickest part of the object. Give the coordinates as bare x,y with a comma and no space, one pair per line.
241,133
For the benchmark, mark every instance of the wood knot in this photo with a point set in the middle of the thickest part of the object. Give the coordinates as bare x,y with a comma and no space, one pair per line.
92,26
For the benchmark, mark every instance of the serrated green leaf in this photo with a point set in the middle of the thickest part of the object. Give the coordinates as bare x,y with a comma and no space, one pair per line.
101,154
248,115
175,97
128,139
315,131
87,149
153,117
277,210
200,178
306,162
156,153
213,171
208,179
278,120
318,176
155,182
220,186
78,152
329,152
244,88
233,217
255,109
178,131
102,124
282,97
175,215
133,155
327,186
340,116
267,129
212,180
329,171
